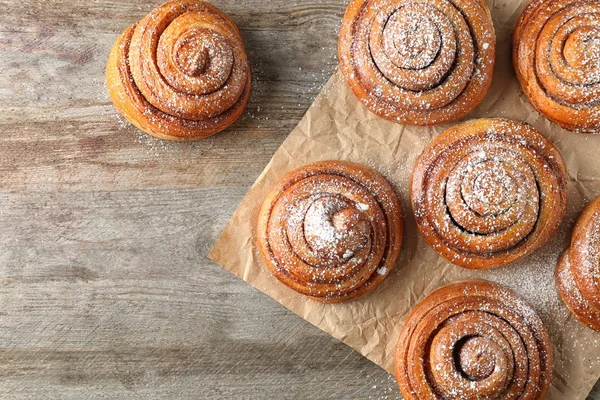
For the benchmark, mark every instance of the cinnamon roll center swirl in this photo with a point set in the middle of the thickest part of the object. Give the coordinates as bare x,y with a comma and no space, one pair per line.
582,48
411,39
476,358
335,228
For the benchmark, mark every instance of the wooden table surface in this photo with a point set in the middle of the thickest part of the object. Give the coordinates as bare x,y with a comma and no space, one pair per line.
105,286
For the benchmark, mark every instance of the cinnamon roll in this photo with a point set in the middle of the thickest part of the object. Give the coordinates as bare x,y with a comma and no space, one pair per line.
182,73
418,62
488,192
331,230
473,340
578,271
556,54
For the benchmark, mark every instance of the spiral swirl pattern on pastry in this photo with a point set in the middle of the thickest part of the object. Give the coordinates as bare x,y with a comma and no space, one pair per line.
473,340
418,62
578,271
556,54
181,73
331,230
488,192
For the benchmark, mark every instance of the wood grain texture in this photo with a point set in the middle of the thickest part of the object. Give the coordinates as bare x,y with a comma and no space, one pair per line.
105,287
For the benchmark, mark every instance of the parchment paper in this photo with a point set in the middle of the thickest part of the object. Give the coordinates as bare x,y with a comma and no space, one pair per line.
337,126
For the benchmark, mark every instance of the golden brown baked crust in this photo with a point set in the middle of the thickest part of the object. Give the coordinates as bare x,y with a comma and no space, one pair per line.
331,230
182,73
489,192
473,340
418,62
578,270
556,55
